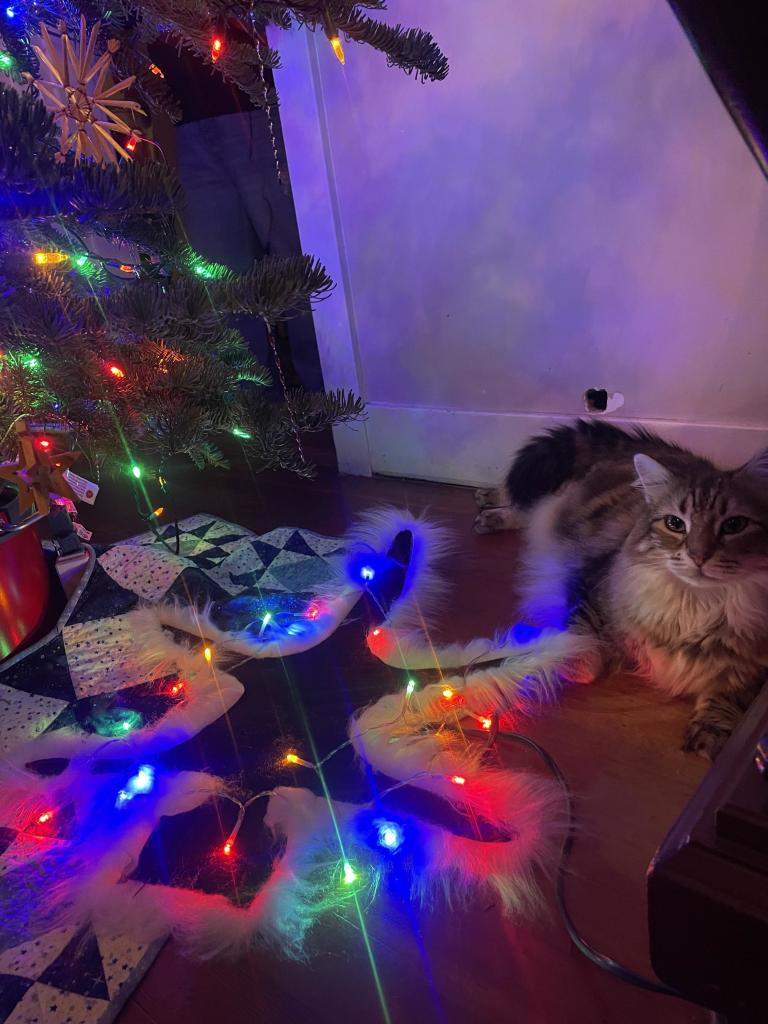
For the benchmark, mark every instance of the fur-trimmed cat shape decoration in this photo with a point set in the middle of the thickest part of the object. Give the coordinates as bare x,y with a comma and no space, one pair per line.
651,557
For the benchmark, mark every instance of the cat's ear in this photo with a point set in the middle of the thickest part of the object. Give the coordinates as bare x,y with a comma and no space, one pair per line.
757,466
651,475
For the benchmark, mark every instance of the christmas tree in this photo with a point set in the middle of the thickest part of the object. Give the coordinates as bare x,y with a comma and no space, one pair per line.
133,358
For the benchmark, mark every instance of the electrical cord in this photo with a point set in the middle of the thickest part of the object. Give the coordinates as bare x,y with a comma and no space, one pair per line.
606,963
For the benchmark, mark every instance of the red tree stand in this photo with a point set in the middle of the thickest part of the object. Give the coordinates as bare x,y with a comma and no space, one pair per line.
24,585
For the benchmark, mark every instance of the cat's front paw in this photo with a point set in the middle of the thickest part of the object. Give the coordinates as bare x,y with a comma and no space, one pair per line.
705,739
494,520
490,497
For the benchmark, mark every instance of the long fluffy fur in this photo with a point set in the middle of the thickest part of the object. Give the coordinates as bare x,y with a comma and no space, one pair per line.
375,531
390,737
684,604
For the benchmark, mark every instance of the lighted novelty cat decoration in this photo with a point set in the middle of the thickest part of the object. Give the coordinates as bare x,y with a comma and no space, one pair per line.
114,794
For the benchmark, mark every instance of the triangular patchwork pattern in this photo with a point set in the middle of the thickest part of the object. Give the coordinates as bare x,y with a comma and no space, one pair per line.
60,1005
266,552
297,544
73,975
44,673
120,956
78,968
25,715
13,993
31,958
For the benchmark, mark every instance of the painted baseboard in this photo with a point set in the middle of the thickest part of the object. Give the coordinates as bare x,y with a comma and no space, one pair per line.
475,448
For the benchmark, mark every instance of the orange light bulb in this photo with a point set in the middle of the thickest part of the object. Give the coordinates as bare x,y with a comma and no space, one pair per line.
117,371
486,723
43,258
338,49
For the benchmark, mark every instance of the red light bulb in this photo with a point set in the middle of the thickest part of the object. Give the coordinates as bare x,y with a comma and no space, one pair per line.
117,371
458,780
217,45
45,816
44,443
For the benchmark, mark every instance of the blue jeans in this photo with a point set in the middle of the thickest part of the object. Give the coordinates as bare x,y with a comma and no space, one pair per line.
236,212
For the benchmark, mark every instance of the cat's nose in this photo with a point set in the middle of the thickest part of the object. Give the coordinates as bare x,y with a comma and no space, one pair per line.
698,558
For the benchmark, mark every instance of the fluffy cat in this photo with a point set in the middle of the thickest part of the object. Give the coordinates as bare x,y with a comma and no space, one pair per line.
655,554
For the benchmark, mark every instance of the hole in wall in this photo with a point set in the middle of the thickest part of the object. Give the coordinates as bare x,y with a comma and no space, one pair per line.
598,401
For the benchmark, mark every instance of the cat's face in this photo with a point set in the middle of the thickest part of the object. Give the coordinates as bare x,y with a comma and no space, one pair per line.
708,529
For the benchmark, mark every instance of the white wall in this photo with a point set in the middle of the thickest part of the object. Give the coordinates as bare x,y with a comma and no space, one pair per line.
572,207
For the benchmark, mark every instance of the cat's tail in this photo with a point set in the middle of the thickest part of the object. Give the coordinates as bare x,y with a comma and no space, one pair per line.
551,459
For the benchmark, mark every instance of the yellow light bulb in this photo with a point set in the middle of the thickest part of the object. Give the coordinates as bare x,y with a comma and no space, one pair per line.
338,49
43,258
448,693
208,654
291,759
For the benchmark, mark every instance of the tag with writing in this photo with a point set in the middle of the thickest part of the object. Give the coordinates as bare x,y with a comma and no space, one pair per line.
84,489
81,531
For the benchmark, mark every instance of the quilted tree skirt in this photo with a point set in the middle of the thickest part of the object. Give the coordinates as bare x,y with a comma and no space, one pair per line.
225,744
76,973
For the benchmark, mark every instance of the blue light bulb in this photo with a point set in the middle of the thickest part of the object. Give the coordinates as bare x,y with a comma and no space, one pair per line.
390,835
367,573
141,782
10,12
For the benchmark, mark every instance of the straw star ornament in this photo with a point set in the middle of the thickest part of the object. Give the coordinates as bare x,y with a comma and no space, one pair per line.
78,96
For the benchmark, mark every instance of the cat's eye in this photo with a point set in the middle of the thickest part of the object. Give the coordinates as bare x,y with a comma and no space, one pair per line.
675,524
736,524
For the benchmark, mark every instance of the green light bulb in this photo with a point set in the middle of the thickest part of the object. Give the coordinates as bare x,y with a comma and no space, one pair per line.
241,433
136,470
350,875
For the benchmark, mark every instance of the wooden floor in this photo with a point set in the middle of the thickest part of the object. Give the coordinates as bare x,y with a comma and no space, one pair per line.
617,743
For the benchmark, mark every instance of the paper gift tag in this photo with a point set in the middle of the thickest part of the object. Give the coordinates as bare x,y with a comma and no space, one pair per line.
84,489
